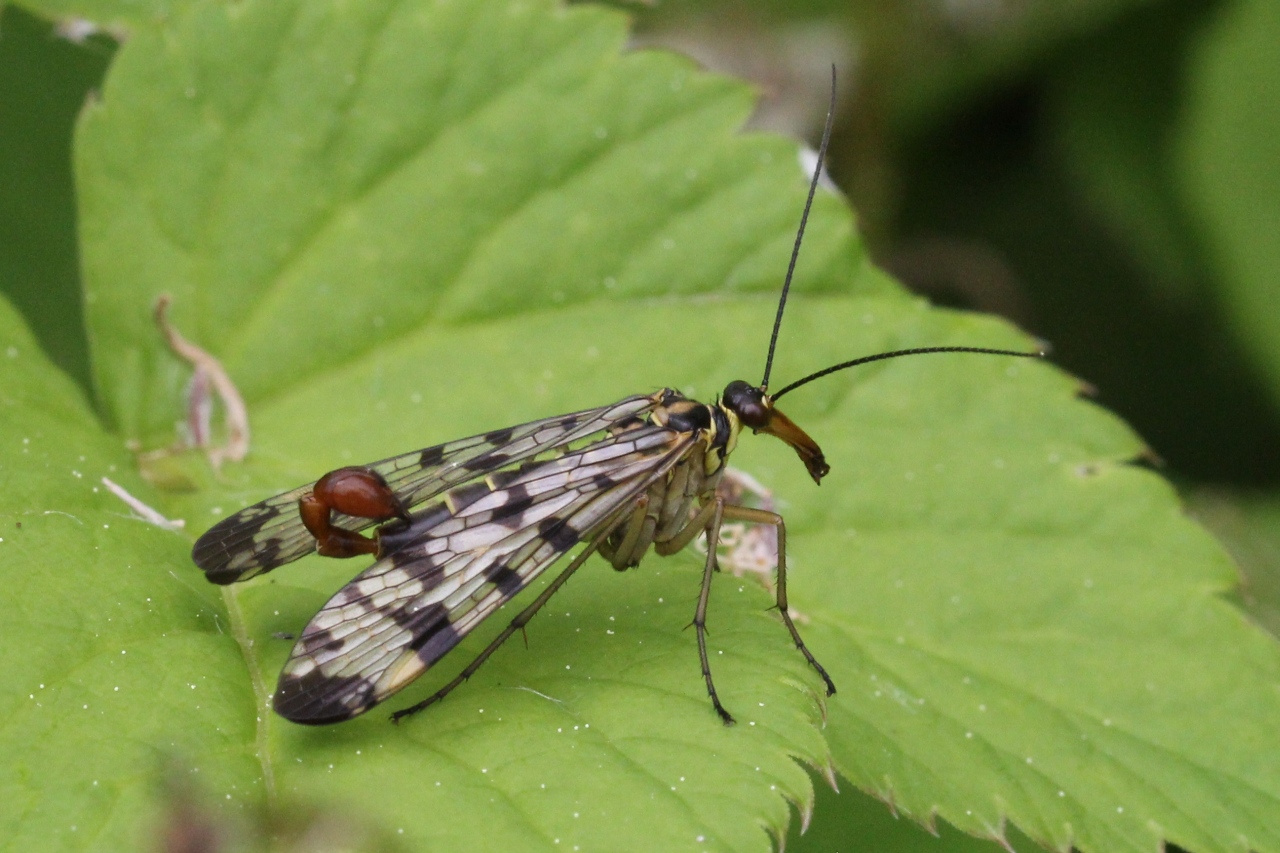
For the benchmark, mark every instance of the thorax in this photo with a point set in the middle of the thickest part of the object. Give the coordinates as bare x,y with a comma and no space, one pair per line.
715,426
668,505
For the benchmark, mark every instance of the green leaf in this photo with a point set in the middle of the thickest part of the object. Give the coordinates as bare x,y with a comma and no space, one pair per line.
119,663
850,820
1230,169
117,15
1022,628
398,224
294,165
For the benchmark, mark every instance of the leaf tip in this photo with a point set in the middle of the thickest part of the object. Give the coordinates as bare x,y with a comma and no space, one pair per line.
828,772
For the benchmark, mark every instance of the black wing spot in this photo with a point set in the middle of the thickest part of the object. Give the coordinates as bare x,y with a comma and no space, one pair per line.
627,424
428,518
316,699
414,620
432,456
409,558
507,580
213,555
320,641
558,533
501,479
269,552
513,509
445,637
486,461
511,513
500,436
464,496
395,539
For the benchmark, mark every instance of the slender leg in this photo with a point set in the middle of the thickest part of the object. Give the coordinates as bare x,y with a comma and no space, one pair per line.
708,519
698,524
620,557
517,624
760,516
717,515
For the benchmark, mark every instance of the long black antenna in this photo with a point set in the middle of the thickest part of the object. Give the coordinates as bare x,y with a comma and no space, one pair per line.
804,218
918,351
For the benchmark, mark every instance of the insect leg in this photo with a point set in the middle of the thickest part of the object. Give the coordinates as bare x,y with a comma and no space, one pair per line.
760,516
620,556
517,624
708,519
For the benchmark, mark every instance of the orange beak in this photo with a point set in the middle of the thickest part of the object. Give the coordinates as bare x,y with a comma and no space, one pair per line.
805,447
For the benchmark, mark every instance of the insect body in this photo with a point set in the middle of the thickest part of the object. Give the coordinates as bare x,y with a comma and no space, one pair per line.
496,509
461,528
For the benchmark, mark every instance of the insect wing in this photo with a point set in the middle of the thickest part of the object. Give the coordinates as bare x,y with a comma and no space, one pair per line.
268,534
467,555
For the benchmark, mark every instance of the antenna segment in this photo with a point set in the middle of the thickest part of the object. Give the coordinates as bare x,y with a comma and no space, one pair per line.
804,218
895,354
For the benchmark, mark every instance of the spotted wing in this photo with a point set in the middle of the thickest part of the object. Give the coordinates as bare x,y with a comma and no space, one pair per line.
464,557
261,537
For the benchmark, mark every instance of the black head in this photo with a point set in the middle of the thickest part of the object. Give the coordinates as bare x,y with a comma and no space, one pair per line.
755,411
752,406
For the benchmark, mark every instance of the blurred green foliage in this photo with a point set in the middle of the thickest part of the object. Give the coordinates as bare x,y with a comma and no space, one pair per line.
44,81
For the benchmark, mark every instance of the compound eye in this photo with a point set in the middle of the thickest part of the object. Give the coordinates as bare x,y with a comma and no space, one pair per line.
749,403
